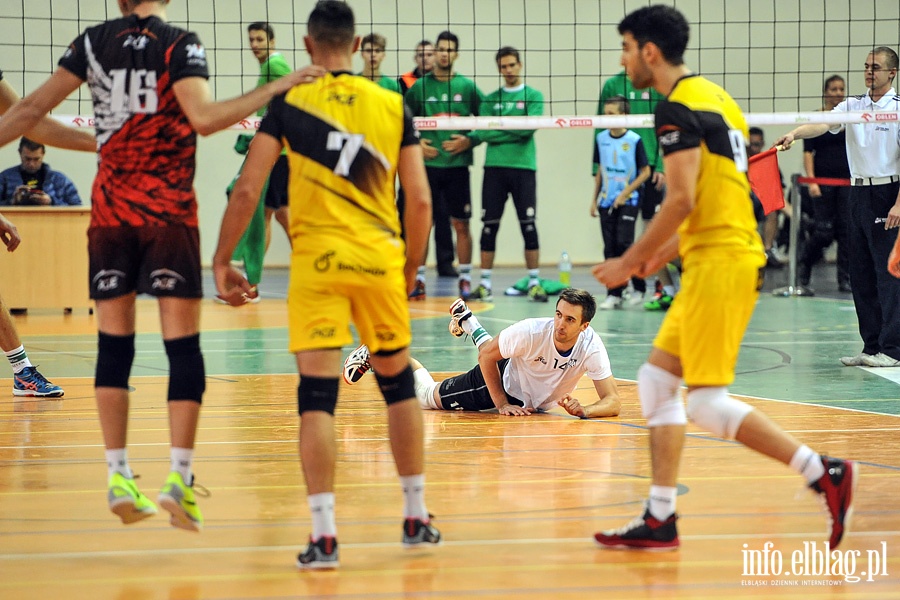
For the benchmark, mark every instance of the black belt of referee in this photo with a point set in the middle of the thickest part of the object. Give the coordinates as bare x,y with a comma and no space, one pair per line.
874,180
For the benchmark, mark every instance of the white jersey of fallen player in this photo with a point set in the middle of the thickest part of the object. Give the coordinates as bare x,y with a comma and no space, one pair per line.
537,374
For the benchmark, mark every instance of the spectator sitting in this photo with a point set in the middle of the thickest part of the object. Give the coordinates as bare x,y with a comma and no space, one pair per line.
34,183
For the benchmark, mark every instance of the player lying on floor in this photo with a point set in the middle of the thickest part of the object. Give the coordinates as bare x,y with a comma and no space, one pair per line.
529,367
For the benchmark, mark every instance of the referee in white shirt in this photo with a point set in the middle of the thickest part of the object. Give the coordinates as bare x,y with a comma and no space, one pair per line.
873,151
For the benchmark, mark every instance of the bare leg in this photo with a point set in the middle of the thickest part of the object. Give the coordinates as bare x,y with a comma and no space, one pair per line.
114,317
532,259
318,448
180,317
463,241
9,337
407,433
666,441
759,433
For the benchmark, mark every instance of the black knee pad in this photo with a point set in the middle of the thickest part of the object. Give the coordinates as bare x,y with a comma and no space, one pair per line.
489,236
401,386
317,393
187,375
529,234
115,354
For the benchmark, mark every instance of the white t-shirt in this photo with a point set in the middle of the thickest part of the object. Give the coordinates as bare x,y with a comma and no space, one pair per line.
537,374
873,148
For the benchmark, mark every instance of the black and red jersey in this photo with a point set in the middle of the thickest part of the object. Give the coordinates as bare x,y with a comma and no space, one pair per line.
146,144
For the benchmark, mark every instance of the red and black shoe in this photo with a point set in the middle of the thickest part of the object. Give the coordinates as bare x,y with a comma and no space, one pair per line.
645,532
836,489
321,554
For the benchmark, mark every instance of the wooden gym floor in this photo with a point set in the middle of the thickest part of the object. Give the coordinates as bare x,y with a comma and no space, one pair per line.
517,499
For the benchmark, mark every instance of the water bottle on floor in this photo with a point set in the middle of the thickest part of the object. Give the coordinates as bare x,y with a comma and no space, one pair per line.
565,269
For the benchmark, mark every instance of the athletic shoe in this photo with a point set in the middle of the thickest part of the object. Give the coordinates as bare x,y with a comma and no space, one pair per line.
836,488
880,360
417,532
459,312
856,361
661,303
30,382
178,498
536,293
635,299
483,293
418,292
465,289
643,533
356,365
610,303
321,554
127,501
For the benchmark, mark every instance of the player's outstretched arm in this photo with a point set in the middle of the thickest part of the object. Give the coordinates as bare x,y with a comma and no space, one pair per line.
231,284
417,218
28,116
488,355
608,405
208,116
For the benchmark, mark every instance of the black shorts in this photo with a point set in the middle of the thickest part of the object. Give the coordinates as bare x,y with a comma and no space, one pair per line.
159,261
451,191
501,182
650,197
469,391
277,192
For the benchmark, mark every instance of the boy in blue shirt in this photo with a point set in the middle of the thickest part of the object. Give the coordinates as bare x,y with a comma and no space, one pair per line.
623,169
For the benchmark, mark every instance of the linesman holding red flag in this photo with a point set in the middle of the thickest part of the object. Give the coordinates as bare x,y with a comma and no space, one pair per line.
873,151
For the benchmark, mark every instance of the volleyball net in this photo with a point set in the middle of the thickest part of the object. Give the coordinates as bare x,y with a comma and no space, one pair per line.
771,56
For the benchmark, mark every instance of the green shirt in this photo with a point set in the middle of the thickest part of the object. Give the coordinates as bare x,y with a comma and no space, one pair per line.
385,82
273,68
510,148
459,97
643,102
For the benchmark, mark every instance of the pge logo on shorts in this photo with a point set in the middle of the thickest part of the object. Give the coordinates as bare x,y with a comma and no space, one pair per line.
107,280
165,280
322,333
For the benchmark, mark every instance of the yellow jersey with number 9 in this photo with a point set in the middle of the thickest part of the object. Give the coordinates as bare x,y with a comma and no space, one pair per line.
700,114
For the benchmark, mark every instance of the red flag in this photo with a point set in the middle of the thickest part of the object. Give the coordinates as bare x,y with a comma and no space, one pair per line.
765,180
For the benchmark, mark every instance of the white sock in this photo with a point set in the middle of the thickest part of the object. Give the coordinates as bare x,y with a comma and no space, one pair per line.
486,278
662,501
425,384
414,497
470,325
806,462
117,462
321,508
181,460
420,274
534,277
18,359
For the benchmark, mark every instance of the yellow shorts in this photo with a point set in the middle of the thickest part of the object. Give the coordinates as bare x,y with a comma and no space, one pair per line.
706,323
331,287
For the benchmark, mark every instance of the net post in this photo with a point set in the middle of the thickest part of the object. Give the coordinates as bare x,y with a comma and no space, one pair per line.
793,288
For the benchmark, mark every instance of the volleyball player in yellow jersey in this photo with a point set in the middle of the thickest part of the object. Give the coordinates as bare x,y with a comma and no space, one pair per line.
707,219
346,138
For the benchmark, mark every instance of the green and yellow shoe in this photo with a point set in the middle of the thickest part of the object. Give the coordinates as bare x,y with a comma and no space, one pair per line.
127,501
178,498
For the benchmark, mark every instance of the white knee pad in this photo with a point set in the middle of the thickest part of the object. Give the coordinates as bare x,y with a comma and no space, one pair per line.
660,397
425,385
715,411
